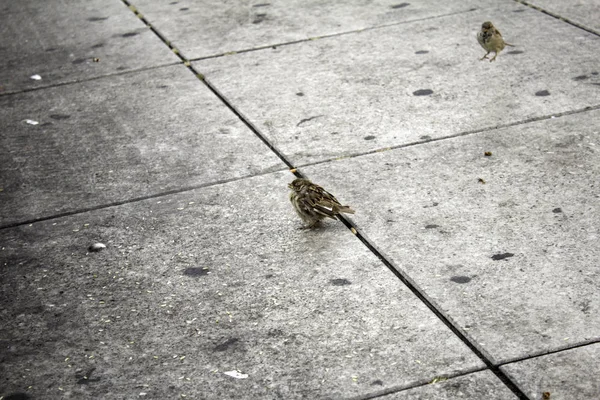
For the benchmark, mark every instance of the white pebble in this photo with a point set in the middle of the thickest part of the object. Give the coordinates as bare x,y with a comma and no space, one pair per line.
97,247
36,77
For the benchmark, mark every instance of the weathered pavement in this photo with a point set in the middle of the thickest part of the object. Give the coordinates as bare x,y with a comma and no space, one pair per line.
167,131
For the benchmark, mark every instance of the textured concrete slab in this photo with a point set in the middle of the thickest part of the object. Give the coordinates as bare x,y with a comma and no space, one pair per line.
571,374
68,41
505,244
401,84
476,386
210,27
193,286
583,12
118,138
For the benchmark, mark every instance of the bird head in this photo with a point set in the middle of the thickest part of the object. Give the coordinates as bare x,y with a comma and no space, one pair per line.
298,183
487,25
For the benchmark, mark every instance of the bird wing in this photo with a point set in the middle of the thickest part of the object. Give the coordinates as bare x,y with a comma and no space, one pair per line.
326,203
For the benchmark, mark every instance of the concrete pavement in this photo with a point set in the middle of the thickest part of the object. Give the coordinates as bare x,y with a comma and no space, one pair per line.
167,131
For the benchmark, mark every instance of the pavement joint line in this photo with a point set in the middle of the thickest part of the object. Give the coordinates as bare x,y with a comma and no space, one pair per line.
136,199
292,42
417,384
213,89
93,78
568,21
435,309
455,135
141,17
480,353
550,352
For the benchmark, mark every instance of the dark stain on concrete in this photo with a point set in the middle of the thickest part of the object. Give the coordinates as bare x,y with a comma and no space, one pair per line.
542,93
86,379
501,256
460,279
302,121
226,345
340,282
423,92
17,396
196,271
60,116
259,18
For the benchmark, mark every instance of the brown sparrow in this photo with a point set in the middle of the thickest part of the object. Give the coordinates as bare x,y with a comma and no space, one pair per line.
313,203
491,39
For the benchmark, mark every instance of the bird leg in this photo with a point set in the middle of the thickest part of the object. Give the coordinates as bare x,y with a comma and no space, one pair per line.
484,57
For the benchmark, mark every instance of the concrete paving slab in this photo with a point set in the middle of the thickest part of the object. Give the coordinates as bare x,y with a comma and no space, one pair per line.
583,12
118,138
401,84
476,386
196,285
211,27
68,41
571,374
505,244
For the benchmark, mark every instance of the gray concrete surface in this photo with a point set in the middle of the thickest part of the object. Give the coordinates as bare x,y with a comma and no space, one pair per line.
369,90
230,26
582,12
222,277
571,374
476,386
68,41
463,276
540,204
109,140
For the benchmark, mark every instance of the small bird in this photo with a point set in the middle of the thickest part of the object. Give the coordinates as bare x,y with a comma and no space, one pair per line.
491,39
313,203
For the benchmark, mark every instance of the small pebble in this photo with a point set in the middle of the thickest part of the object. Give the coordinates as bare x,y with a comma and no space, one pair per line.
36,77
96,247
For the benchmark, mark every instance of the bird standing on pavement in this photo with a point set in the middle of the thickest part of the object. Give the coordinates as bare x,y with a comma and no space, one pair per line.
491,39
313,203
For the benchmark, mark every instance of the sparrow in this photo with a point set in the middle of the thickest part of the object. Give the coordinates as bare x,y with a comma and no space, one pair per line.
313,203
491,39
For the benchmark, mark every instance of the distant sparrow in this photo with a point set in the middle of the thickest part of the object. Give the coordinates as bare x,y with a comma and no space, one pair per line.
491,39
313,203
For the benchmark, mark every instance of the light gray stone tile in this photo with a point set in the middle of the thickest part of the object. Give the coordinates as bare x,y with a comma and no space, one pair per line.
59,40
361,92
194,285
513,261
571,374
476,386
118,138
210,27
583,12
